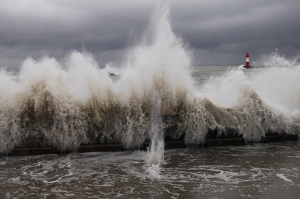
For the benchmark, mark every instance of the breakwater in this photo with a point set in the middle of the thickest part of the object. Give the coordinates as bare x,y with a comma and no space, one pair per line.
171,144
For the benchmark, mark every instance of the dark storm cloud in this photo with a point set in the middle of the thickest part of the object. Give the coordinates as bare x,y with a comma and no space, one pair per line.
33,28
219,32
230,28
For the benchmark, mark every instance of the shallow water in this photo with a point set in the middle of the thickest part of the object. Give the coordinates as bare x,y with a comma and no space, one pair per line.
251,171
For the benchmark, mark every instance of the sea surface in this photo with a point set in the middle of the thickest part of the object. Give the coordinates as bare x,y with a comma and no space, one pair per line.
252,171
155,92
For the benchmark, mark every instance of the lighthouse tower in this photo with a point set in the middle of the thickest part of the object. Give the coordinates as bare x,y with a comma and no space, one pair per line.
247,61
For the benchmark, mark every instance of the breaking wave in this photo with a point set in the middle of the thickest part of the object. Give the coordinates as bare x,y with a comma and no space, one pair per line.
77,102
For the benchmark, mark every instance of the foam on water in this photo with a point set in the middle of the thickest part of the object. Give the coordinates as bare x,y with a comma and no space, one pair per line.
65,104
258,170
281,176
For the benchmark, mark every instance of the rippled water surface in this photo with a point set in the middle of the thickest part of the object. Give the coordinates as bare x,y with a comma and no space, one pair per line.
251,171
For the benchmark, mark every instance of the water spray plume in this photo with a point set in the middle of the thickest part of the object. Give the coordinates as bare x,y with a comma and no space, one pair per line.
150,97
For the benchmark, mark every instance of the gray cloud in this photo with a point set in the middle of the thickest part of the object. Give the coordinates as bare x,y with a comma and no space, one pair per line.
219,32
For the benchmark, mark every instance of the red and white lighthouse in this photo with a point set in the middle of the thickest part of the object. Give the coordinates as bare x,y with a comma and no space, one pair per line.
247,60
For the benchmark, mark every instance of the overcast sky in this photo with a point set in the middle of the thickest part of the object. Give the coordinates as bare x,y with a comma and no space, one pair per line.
219,32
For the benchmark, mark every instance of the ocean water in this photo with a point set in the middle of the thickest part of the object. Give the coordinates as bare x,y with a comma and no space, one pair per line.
155,93
252,171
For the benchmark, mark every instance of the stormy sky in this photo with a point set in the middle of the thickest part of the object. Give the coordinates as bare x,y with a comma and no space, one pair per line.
218,32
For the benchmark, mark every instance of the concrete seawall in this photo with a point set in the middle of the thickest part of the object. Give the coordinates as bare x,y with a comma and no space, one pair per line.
18,151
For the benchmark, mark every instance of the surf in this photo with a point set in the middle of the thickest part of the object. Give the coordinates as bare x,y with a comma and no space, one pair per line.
66,104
